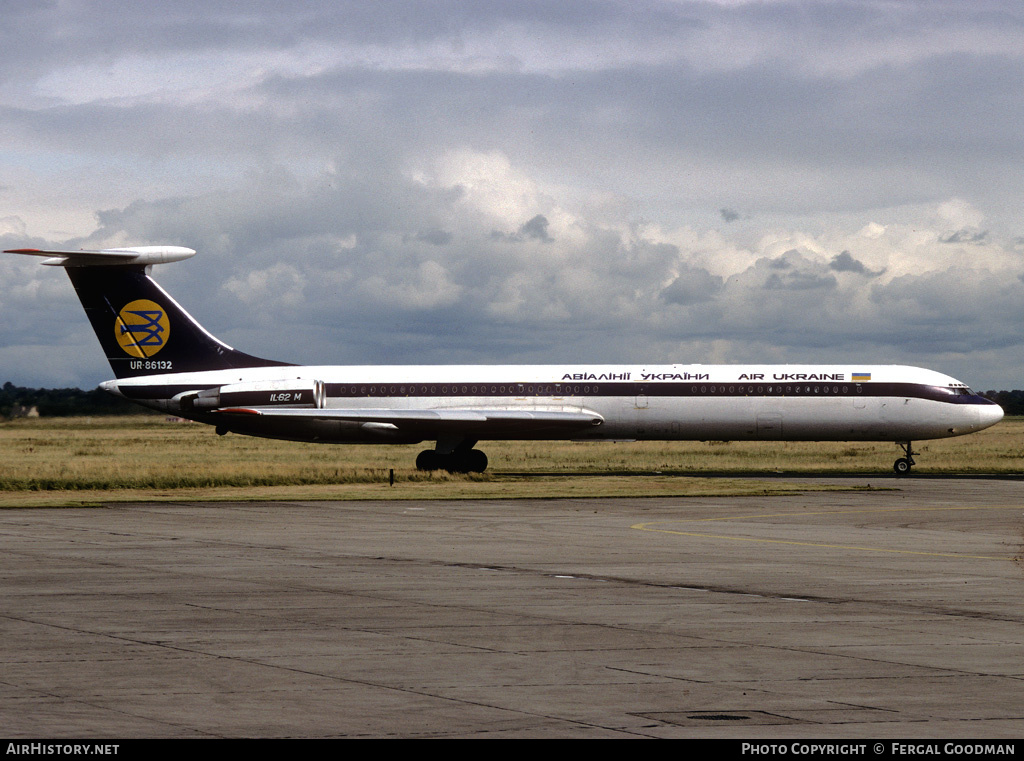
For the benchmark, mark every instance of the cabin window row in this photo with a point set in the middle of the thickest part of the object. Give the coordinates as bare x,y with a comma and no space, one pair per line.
776,390
469,389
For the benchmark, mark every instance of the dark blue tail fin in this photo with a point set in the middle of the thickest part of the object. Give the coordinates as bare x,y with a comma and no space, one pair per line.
142,330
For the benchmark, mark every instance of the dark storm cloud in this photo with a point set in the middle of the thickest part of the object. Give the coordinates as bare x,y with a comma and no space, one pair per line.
799,281
837,143
37,36
435,237
534,229
676,125
692,286
966,236
792,272
845,262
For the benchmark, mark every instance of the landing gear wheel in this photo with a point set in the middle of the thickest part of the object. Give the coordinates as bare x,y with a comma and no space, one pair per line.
901,466
429,459
469,461
476,461
472,461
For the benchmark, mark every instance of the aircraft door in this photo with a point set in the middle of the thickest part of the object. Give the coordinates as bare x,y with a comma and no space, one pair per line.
641,398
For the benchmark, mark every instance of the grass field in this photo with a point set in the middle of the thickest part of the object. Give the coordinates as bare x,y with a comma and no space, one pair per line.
92,460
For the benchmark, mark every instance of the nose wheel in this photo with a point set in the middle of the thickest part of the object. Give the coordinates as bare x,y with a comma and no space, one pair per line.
903,465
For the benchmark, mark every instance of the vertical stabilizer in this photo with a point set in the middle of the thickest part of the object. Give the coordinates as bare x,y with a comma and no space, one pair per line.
143,331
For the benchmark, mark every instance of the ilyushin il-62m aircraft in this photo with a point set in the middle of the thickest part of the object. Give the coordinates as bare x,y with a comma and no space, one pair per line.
163,359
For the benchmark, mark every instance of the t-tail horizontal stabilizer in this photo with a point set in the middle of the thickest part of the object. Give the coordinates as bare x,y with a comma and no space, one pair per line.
144,255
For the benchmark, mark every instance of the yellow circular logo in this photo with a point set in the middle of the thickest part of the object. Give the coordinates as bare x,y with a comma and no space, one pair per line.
142,328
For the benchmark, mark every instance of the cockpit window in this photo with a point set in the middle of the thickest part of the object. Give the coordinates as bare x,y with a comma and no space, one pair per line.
954,390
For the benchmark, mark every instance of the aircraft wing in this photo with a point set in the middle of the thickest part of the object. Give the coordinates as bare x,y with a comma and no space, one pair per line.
433,422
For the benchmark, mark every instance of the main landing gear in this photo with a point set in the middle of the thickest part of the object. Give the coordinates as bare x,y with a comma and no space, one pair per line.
902,466
461,458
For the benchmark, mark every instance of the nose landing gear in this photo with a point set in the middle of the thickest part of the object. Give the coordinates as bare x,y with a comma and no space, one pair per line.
903,465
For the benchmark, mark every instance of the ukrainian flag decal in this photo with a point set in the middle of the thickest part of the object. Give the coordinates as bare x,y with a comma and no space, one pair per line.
861,377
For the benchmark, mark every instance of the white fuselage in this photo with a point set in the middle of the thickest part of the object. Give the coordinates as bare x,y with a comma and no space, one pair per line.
664,402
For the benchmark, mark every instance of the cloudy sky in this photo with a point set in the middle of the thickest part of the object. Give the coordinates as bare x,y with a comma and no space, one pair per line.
518,181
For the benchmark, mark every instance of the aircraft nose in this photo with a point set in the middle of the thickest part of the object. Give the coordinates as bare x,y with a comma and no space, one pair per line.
989,414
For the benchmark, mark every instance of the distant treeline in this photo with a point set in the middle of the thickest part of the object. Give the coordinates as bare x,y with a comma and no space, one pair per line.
18,401
1012,402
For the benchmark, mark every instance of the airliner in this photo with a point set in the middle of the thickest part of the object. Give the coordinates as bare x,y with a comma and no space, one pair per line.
164,359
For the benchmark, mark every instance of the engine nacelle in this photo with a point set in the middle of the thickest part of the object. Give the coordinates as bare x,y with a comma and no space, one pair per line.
295,393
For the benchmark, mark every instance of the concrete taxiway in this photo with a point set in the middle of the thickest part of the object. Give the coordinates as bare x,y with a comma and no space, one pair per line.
881,614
